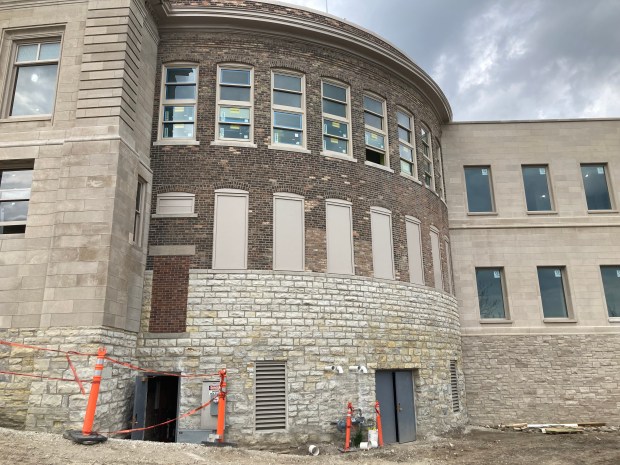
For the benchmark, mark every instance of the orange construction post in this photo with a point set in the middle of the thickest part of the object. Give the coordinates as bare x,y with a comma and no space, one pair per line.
221,407
347,435
91,407
379,428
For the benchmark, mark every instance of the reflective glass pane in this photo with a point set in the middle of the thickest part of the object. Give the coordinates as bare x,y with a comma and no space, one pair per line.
14,194
428,180
611,284
285,136
478,186
14,211
16,179
178,113
235,76
180,92
179,130
180,75
426,150
286,99
335,145
536,188
405,135
490,293
283,81
403,120
371,104
49,51
234,115
333,108
405,153
235,94
595,185
234,131
287,120
334,128
27,52
334,92
552,292
375,140
406,167
373,120
35,90
424,135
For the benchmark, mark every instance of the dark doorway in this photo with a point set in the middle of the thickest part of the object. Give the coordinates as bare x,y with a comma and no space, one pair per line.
156,401
395,396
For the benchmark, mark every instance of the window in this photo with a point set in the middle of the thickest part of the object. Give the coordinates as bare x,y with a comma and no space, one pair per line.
270,396
436,252
288,108
428,170
234,106
138,217
375,130
536,185
382,245
441,183
230,230
35,71
406,144
15,184
175,204
596,187
178,102
553,291
414,250
336,118
339,234
491,293
478,187
288,232
611,285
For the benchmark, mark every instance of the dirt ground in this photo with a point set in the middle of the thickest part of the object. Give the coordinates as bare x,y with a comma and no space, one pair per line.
476,447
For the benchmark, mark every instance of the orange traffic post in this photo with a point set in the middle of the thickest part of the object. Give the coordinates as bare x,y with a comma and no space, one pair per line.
91,407
379,428
221,407
347,435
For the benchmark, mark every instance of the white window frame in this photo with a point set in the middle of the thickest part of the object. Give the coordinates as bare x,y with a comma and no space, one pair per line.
137,233
339,119
176,103
424,129
16,167
442,181
383,132
286,109
175,195
234,104
410,145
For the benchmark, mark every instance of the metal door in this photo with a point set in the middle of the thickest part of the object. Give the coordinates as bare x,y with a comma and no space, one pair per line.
405,411
384,384
139,407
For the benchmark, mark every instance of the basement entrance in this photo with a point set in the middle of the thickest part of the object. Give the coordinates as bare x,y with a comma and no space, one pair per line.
156,400
395,396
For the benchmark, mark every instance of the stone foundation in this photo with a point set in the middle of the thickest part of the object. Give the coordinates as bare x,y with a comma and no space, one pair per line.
543,378
311,321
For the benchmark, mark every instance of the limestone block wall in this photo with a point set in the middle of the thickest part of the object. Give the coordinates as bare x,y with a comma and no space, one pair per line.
310,320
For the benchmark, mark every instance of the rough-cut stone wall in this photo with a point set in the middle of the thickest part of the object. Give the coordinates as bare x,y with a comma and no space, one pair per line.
55,406
310,321
542,378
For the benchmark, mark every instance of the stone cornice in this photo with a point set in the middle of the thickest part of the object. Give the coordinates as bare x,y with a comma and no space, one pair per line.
21,4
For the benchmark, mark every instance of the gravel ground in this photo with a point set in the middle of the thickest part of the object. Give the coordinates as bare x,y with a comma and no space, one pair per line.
476,447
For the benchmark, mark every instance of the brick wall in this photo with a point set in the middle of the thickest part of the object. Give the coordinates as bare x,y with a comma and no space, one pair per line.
169,300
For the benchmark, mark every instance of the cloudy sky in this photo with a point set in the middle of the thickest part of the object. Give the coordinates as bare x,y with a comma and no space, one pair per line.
505,59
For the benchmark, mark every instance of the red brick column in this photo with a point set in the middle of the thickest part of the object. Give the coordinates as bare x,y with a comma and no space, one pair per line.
169,297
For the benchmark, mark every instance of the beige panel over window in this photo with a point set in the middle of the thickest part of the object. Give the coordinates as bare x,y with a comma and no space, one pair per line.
175,203
382,247
339,237
288,232
414,250
436,251
230,230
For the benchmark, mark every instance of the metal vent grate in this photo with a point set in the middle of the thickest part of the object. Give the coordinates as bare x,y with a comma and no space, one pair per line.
454,384
270,395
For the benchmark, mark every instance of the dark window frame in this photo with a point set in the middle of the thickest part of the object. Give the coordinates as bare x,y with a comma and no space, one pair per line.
503,284
608,185
552,208
568,310
608,291
493,210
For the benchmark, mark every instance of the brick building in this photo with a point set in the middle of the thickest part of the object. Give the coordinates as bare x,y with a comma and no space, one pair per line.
274,191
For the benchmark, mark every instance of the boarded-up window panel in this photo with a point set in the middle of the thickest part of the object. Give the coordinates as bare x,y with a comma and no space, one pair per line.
288,232
382,247
339,237
450,283
270,396
230,230
436,259
414,251
175,203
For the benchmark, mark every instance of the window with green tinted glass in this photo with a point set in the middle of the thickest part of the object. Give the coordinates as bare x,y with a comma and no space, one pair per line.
235,103
596,187
336,118
178,114
551,280
491,292
478,187
611,285
536,185
288,109
375,130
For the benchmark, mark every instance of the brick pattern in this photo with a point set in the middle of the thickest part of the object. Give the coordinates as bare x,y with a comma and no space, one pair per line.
546,378
169,301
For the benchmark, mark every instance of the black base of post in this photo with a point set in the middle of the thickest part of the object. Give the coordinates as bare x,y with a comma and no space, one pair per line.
86,439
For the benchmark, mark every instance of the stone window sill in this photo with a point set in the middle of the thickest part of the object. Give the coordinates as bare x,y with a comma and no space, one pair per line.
231,143
174,215
176,142
339,156
559,320
481,213
12,236
411,178
289,148
614,319
546,212
381,167
601,212
496,321
25,119
165,335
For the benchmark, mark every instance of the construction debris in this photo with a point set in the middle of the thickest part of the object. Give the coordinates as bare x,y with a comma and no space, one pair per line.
557,428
